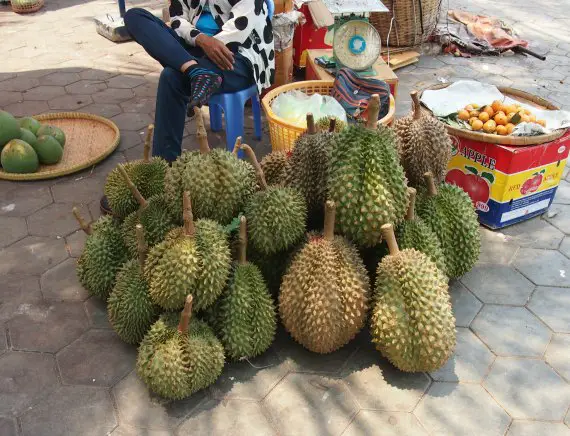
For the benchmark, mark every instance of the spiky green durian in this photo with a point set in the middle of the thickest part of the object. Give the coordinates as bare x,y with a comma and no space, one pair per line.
425,145
324,295
197,261
412,322
176,359
147,175
275,166
366,181
326,124
449,212
103,255
130,309
276,215
413,232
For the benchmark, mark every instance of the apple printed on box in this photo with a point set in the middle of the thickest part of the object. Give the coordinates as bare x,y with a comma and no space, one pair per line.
508,184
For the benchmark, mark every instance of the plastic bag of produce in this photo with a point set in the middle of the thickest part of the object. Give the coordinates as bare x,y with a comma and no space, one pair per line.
294,106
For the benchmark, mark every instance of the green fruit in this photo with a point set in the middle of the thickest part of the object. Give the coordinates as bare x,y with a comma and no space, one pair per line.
412,322
323,124
19,157
48,149
30,124
275,166
28,137
9,128
56,132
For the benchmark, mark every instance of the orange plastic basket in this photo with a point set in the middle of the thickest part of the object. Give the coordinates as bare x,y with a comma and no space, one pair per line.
283,134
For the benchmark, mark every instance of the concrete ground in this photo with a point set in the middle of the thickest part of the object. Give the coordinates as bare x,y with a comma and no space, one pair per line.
64,372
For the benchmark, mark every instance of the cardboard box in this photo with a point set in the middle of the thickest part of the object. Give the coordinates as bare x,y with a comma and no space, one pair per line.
508,184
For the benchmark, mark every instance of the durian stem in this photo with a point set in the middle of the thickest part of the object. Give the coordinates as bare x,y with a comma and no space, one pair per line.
373,112
416,105
142,248
82,223
330,212
242,254
332,125
388,233
185,316
410,215
258,171
432,189
147,141
189,228
136,193
201,131
311,128
237,146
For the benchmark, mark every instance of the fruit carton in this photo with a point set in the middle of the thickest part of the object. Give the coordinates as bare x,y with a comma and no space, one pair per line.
508,184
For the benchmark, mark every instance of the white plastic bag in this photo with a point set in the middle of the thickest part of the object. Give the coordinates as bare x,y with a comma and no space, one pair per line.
294,106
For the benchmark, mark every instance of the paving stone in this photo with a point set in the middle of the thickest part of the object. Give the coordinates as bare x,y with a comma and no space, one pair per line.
20,83
535,233
79,410
496,247
75,243
76,191
59,79
565,247
457,409
558,355
140,104
131,139
17,291
310,404
372,422
552,306
543,267
132,121
470,362
24,378
3,342
103,110
528,389
97,74
8,427
32,255
146,90
127,430
70,102
55,220
498,284
521,333
535,428
86,87
559,216
465,304
113,96
562,193
98,358
125,81
97,313
7,97
376,384
60,283
138,407
44,93
46,326
17,230
24,200
27,108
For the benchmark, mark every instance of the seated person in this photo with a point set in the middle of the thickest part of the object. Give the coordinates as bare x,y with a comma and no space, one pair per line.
209,46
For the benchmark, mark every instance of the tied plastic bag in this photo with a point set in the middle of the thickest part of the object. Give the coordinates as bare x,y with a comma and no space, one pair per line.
294,106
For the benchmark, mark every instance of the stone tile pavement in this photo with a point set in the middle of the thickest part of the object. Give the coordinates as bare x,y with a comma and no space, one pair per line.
64,372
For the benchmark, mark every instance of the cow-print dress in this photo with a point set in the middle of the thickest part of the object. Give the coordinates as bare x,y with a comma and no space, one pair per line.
244,26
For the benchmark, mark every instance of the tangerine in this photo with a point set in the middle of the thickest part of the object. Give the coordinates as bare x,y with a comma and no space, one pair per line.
469,108
501,130
501,119
497,106
489,126
510,127
484,116
541,122
474,113
477,124
489,110
463,115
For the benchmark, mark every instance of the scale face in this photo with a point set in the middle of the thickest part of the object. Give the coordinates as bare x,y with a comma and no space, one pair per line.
356,45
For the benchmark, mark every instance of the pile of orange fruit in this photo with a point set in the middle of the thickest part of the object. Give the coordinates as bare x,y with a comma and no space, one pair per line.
497,118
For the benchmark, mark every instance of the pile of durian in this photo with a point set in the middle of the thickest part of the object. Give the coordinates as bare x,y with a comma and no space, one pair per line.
353,228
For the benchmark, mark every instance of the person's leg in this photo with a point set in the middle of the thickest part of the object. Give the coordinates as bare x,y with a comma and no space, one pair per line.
241,77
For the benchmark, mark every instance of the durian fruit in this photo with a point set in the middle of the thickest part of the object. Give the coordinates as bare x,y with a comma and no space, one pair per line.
196,259
275,166
425,145
103,255
219,182
130,309
245,314
449,211
146,174
276,215
330,124
324,295
413,232
366,180
155,215
412,322
176,359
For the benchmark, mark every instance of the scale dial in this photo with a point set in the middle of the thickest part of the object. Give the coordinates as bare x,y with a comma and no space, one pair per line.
356,45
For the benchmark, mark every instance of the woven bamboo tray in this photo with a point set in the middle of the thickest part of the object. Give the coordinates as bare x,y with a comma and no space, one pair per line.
26,6
89,140
515,94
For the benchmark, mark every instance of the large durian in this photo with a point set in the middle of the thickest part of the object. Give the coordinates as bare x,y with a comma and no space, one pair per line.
412,322
413,232
275,166
155,215
219,182
103,255
176,359
146,174
276,215
323,301
366,180
425,145
130,309
195,260
245,314
449,211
